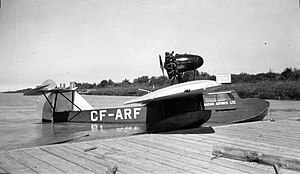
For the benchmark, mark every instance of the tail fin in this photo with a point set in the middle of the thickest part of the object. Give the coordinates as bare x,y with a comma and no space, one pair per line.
81,103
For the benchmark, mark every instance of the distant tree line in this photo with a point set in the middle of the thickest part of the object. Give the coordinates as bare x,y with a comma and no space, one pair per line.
290,74
144,80
270,85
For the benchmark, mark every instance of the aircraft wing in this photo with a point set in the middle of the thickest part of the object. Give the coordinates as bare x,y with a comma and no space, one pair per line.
37,91
61,90
192,88
48,86
41,89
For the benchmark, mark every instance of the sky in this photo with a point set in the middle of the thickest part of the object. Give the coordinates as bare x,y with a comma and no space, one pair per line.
94,40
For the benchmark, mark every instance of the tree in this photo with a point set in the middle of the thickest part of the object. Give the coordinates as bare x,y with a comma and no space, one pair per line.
159,81
189,76
287,73
140,80
110,82
296,74
125,82
206,76
103,83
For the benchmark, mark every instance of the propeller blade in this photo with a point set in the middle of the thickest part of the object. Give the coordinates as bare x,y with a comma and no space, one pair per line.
161,65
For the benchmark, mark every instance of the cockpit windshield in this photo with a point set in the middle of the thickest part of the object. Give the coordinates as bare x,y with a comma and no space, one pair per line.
217,97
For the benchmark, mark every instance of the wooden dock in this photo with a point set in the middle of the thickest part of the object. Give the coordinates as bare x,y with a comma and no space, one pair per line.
187,151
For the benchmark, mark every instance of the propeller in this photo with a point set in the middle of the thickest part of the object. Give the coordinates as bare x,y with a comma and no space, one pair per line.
161,65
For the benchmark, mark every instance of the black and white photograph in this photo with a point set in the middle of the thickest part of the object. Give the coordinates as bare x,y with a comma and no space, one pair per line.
150,86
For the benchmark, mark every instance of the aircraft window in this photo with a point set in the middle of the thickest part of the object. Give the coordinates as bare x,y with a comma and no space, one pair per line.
210,98
223,97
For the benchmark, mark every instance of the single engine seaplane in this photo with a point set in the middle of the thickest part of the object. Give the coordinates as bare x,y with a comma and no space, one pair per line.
174,107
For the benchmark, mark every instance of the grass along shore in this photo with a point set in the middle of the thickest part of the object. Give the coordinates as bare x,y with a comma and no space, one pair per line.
278,90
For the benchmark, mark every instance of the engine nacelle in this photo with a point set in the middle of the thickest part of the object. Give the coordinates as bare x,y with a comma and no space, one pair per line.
188,62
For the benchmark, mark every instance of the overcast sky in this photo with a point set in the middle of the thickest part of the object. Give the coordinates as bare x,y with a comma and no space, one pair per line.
92,40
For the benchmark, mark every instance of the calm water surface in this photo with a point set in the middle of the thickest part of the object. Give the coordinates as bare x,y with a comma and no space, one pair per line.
21,127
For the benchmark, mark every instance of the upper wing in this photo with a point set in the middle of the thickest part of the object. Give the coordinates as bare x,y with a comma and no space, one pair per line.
191,88
46,87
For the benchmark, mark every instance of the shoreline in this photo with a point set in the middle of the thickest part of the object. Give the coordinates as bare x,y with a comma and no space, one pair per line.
277,90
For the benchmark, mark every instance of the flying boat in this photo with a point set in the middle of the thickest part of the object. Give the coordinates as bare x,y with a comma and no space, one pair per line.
174,107
181,105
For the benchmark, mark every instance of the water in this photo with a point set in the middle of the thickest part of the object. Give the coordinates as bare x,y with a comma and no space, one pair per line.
21,127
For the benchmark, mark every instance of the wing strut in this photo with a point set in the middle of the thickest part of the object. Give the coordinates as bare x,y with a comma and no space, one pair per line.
71,102
48,100
80,110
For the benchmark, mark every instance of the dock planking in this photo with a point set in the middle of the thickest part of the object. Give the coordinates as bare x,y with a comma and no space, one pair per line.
184,151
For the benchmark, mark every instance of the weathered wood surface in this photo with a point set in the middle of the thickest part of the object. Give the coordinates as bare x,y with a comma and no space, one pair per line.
187,151
258,157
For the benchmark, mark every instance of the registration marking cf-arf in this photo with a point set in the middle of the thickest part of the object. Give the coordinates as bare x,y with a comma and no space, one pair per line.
120,114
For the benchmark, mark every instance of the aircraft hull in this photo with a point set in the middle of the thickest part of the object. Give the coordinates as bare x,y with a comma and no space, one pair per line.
156,117
180,121
237,110
175,107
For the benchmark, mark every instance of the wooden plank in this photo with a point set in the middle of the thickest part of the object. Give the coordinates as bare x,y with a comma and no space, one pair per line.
92,155
2,170
283,125
110,156
280,150
236,133
171,158
207,151
271,151
191,160
287,142
276,134
254,139
207,141
56,161
132,157
12,166
170,142
148,160
215,139
82,162
254,156
290,126
161,153
32,162
262,131
221,139
188,137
